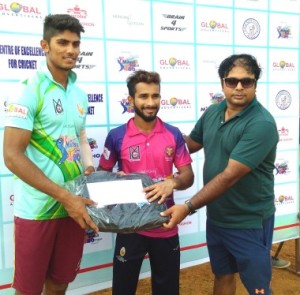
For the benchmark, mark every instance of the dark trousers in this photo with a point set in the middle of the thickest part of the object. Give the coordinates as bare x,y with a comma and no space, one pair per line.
164,256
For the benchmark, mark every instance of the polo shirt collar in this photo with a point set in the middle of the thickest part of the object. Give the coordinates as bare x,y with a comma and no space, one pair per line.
44,68
223,104
133,130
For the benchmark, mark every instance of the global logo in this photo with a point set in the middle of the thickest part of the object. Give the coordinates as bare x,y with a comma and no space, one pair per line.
212,24
283,99
173,101
172,61
174,64
251,28
282,64
283,199
15,7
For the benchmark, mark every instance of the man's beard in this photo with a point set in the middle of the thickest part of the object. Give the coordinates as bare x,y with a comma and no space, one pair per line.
149,118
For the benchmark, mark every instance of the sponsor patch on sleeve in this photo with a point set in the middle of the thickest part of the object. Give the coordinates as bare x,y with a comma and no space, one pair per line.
106,153
16,110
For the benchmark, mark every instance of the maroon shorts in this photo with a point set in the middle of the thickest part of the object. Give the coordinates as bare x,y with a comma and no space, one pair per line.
46,249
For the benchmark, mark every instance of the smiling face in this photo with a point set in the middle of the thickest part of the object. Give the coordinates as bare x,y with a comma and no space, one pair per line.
146,101
239,97
62,51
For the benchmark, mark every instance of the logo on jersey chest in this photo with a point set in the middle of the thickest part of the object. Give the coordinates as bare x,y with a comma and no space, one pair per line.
169,151
134,153
58,108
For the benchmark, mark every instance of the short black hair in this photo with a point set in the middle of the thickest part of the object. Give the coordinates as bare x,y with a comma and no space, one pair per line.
56,23
247,61
141,76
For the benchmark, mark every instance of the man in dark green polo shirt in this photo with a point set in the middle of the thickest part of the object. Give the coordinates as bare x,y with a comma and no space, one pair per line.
239,137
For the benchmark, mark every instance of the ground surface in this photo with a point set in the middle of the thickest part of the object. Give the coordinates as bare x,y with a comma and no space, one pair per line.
198,280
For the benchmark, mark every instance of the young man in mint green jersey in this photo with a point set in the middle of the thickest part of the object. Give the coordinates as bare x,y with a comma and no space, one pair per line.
45,145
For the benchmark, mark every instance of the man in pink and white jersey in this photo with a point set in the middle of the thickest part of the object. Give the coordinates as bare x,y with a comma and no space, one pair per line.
145,144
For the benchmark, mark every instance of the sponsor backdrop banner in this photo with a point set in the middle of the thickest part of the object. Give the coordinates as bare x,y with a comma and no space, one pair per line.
184,41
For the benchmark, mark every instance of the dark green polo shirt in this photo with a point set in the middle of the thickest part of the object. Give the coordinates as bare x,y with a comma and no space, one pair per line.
251,138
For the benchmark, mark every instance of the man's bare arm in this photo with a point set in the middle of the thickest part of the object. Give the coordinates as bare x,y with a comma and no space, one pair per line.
211,191
15,143
192,145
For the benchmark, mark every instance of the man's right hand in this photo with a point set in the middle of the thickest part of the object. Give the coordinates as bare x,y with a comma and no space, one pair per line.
76,208
177,213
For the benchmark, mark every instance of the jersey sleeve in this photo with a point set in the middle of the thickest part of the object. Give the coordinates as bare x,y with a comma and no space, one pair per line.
182,156
109,155
21,108
257,141
197,132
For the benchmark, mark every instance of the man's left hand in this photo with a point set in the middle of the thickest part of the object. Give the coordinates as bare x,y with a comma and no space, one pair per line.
160,190
89,170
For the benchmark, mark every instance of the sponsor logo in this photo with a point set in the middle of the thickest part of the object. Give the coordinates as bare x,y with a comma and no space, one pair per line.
17,9
283,65
128,63
282,167
284,200
81,14
284,32
92,238
58,108
175,102
214,26
174,64
216,97
283,131
284,135
93,143
84,66
80,109
122,254
95,97
106,153
16,110
283,99
128,19
173,23
77,12
134,153
251,28
169,151
69,148
91,110
127,108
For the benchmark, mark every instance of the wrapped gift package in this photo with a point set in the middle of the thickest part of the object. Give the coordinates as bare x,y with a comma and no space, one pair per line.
120,217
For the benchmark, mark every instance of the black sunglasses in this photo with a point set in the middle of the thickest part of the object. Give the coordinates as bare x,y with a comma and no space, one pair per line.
233,82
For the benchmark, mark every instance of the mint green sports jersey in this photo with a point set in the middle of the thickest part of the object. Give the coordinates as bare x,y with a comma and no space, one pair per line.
55,116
